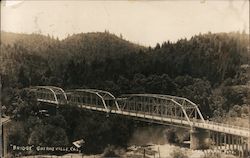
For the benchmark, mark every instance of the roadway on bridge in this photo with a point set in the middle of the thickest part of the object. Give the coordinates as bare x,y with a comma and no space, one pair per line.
209,125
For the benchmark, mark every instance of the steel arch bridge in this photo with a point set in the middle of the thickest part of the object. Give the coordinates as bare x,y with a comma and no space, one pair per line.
49,94
157,108
178,109
93,97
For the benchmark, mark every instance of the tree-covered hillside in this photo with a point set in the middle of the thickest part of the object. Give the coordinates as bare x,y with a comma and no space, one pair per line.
190,68
210,69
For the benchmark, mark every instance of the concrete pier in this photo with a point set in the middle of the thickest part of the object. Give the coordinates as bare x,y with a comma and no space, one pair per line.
199,139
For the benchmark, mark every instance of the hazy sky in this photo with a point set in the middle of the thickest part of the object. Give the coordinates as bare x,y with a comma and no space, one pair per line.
143,22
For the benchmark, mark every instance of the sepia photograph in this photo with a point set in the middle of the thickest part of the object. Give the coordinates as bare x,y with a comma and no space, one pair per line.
125,79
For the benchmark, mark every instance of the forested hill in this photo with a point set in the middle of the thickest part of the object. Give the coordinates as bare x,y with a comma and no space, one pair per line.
190,68
214,56
32,42
98,45
87,44
45,53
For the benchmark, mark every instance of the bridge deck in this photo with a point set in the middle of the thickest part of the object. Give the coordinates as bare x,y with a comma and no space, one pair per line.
162,109
209,125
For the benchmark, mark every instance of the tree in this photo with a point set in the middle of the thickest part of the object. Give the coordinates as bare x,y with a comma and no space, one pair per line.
17,134
57,121
22,78
235,111
138,83
199,92
158,46
48,135
124,84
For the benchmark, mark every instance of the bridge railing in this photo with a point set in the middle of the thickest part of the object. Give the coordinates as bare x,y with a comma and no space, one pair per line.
211,123
227,125
59,96
154,114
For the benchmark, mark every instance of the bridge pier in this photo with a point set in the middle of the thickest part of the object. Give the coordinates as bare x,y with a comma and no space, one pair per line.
199,139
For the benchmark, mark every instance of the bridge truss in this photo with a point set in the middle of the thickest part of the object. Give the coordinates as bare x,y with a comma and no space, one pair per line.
49,94
94,98
158,108
161,105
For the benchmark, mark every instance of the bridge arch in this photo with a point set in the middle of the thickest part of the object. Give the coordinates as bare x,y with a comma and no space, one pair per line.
49,94
190,107
94,98
161,105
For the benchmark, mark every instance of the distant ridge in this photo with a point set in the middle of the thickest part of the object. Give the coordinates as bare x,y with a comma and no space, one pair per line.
86,45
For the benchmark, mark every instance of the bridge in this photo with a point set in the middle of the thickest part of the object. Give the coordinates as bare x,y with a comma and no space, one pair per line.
157,108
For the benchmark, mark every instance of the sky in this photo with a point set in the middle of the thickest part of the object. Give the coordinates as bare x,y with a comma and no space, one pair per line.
142,22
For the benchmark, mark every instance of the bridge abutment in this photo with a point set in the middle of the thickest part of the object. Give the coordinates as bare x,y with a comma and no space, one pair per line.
199,139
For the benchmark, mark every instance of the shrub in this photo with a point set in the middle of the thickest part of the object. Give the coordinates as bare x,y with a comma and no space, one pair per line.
110,151
178,153
245,109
